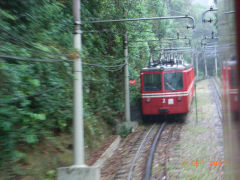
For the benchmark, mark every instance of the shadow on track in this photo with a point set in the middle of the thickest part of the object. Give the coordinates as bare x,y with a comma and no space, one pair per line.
159,119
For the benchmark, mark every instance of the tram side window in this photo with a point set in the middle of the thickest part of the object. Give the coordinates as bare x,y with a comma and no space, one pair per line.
234,81
152,82
173,81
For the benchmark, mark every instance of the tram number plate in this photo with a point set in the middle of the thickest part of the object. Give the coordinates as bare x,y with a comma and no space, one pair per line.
170,101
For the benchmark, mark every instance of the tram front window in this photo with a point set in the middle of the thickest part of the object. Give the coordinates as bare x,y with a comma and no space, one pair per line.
173,81
152,82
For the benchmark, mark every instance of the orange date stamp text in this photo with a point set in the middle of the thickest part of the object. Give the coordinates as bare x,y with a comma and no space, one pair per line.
199,163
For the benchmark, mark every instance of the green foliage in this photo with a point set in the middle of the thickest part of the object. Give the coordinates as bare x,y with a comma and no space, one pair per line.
43,29
51,175
123,131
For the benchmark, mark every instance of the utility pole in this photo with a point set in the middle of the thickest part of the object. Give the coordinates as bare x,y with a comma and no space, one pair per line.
197,64
126,74
78,136
216,68
192,59
79,170
126,78
205,64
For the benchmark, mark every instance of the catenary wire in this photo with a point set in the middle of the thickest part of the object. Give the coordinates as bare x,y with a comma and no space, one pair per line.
53,61
14,100
28,43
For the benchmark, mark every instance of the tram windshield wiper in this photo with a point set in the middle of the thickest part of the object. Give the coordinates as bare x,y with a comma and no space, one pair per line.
173,81
170,86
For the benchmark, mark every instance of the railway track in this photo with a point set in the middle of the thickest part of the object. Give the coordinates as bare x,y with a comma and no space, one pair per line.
133,164
139,161
135,156
152,151
134,160
217,96
156,167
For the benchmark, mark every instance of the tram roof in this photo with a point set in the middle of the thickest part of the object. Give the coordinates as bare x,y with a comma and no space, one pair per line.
167,67
230,63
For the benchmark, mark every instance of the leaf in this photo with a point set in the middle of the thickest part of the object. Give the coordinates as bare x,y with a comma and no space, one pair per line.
31,139
6,125
51,173
7,15
34,82
19,155
37,116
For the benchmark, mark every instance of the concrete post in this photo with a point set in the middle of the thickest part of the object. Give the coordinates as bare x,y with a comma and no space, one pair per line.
197,54
78,92
192,59
205,65
216,65
128,123
79,171
126,75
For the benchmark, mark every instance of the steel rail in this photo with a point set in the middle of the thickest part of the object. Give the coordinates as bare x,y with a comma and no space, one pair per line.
140,19
217,88
218,99
138,154
150,157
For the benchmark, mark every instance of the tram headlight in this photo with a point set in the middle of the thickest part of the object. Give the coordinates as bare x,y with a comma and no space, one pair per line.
179,99
148,100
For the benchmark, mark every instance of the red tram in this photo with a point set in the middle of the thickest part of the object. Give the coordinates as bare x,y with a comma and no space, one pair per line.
167,88
229,51
230,84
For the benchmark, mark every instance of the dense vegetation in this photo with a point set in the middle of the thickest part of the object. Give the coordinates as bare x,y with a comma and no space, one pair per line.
36,97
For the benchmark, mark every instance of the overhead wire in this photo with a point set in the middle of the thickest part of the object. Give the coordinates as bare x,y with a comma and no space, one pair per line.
13,37
103,66
32,59
14,100
55,61
178,12
28,43
14,42
52,60
44,60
